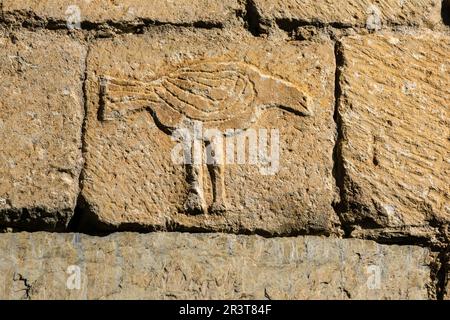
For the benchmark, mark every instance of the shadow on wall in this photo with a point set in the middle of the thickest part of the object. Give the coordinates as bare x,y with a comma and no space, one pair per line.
445,12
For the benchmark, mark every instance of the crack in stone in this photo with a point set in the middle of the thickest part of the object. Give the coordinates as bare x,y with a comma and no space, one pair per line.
439,269
2,11
252,18
445,12
109,28
27,286
74,223
338,166
290,25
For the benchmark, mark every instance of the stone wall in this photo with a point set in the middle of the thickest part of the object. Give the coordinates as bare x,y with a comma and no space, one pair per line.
325,128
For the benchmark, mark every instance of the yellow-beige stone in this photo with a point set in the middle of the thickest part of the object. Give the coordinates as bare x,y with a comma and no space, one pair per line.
130,179
102,11
209,266
41,115
394,109
360,13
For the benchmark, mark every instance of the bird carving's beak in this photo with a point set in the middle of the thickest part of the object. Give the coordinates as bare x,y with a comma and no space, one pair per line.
274,92
295,100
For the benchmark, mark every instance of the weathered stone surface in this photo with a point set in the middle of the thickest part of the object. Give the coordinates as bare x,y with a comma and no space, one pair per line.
395,116
446,278
446,289
208,266
41,115
361,13
130,178
100,11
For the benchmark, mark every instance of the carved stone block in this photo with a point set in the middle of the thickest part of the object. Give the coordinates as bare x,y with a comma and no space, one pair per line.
206,131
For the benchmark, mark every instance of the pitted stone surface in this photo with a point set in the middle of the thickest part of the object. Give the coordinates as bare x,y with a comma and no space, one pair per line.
101,11
395,121
360,13
41,114
208,266
141,88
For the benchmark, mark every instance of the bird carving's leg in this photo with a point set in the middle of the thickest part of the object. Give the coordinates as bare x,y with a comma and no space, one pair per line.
195,202
216,167
219,204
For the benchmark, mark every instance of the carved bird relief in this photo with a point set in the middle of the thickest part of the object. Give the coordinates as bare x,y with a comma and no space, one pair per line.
220,95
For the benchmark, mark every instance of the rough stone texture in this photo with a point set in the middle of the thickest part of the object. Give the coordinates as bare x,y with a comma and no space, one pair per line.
445,274
130,179
446,280
360,13
101,11
157,66
395,120
207,266
40,128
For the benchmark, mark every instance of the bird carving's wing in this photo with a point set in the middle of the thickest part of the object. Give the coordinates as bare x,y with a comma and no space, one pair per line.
221,95
120,98
216,94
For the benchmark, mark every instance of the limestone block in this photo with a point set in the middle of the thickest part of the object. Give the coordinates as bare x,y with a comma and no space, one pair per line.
276,96
360,13
41,115
208,266
395,117
136,11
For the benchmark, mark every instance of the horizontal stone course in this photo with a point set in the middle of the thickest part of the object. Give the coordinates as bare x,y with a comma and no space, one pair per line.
208,266
362,13
101,11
